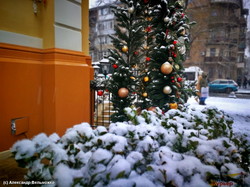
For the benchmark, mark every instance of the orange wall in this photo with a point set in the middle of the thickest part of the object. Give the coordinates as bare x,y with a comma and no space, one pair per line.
49,87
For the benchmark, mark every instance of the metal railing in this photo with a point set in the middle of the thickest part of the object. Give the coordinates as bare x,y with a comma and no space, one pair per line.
102,107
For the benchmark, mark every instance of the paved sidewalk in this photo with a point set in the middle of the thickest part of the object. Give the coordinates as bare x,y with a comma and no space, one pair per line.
244,91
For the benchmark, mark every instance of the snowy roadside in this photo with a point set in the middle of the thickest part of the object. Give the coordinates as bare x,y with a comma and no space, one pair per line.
238,109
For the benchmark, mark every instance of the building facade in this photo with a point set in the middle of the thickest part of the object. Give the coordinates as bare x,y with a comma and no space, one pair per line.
45,68
218,39
102,23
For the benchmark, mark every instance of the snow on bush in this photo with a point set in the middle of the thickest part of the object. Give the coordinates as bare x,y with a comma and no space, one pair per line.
178,148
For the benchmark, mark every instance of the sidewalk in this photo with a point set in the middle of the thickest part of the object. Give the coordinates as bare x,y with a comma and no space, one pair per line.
243,90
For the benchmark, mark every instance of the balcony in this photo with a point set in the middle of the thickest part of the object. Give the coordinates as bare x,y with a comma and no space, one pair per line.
223,41
217,59
226,20
235,3
241,65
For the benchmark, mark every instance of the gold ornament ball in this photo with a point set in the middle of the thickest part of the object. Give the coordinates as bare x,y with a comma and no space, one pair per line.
125,49
123,30
123,92
166,68
132,77
177,67
145,94
173,105
146,79
181,2
167,90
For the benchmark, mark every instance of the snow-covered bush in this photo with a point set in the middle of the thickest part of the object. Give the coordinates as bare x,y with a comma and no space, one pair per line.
178,148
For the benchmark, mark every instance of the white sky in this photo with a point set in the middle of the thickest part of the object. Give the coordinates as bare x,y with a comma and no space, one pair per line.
91,3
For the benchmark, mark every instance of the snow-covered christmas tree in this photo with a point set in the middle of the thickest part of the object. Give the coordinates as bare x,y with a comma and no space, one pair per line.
150,46
128,57
170,25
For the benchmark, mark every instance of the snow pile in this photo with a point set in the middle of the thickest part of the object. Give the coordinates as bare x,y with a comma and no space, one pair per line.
178,148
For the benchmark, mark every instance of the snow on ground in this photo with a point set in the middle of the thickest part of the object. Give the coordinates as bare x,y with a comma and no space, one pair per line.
238,109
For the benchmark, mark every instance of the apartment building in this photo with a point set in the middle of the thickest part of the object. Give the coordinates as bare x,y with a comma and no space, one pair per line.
218,40
101,24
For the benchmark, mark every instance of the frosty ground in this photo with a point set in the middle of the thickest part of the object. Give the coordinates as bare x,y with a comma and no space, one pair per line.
236,108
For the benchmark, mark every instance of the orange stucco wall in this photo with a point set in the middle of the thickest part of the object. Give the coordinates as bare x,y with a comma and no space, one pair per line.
49,88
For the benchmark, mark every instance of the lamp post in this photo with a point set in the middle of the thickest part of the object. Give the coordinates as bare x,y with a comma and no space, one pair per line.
96,68
105,66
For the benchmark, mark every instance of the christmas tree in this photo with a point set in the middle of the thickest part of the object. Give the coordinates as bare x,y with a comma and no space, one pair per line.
150,46
170,25
126,56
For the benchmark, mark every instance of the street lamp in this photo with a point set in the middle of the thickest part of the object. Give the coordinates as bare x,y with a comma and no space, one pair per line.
96,68
105,66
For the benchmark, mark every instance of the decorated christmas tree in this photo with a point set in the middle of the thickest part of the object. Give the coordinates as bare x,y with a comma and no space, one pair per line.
170,24
126,56
150,47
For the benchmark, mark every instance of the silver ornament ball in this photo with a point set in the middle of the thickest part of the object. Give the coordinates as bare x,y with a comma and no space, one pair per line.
131,9
166,19
167,90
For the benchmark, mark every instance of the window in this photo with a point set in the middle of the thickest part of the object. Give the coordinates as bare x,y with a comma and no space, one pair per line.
212,52
212,34
211,71
100,26
214,13
111,25
215,82
106,25
223,82
103,39
104,11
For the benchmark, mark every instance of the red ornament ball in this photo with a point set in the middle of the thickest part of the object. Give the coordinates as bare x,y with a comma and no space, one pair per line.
115,66
173,81
174,55
148,29
167,31
146,1
171,77
179,79
136,53
148,59
182,15
99,92
175,42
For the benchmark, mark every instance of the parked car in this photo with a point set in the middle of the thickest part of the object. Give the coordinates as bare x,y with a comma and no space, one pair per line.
223,85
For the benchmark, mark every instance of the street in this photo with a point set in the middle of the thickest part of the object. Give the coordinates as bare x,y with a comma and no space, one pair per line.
241,93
